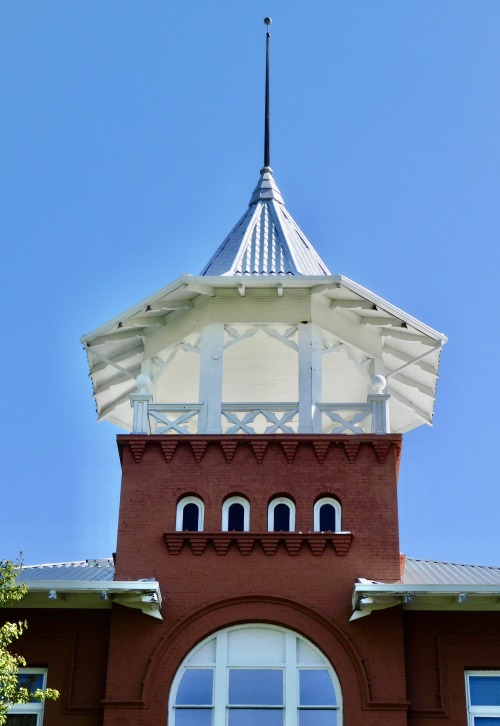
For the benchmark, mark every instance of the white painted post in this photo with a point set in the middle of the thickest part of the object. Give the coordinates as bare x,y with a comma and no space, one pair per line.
380,406
309,378
139,402
211,369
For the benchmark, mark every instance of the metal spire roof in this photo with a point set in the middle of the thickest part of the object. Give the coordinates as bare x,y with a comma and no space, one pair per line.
266,240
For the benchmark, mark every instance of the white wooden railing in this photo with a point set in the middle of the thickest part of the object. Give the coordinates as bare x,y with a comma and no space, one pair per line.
371,417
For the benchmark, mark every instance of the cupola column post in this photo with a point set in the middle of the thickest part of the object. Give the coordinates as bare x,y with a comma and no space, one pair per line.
309,378
211,368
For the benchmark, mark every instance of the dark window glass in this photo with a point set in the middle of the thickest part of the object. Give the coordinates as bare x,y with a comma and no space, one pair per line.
255,716
484,690
316,688
195,688
190,518
21,719
236,518
317,718
281,518
487,721
193,717
255,687
327,518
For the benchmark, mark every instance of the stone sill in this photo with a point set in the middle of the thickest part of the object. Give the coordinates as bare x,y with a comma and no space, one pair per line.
244,542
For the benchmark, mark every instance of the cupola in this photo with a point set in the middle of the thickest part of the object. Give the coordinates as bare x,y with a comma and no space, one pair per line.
265,340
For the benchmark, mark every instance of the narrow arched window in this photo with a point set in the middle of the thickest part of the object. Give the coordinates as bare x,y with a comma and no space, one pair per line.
327,515
189,518
281,518
236,515
281,515
255,674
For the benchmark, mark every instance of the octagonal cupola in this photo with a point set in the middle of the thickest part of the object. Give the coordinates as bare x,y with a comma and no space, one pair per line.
265,340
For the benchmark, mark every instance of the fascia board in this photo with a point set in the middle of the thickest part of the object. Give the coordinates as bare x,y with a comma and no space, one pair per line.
256,281
382,596
392,309
167,290
270,281
145,596
432,590
110,586
222,281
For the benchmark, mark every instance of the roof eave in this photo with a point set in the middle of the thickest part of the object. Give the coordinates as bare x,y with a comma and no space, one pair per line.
367,598
141,595
267,281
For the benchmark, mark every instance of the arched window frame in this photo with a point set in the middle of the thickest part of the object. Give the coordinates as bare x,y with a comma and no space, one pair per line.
246,512
338,512
180,512
216,659
270,512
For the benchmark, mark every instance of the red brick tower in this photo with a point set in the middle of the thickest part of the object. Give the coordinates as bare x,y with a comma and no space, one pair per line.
259,482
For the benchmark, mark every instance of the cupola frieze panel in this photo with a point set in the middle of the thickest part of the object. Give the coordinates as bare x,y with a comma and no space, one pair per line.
322,446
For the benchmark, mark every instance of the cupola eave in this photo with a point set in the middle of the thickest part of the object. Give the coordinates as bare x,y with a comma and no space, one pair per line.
180,294
148,333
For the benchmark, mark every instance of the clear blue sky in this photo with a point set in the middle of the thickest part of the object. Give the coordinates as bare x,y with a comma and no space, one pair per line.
130,141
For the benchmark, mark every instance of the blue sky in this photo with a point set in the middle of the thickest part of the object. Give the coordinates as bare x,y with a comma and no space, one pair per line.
130,142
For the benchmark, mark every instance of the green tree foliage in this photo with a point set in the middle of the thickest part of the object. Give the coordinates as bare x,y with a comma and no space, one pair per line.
10,690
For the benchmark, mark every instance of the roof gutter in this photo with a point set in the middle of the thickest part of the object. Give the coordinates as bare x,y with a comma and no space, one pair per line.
141,595
368,597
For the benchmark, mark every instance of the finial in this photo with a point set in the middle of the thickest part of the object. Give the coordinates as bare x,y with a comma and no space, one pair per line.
267,157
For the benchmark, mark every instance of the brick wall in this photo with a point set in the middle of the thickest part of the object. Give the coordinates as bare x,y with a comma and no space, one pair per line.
290,586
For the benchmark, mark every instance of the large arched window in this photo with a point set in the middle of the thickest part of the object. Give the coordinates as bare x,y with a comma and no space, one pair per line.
253,675
281,515
236,515
327,515
189,518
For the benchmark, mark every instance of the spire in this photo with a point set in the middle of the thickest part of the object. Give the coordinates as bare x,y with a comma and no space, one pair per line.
266,240
267,155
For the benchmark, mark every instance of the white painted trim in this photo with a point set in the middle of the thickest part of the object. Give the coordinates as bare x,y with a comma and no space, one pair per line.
180,512
370,596
211,368
246,512
270,512
142,595
310,388
33,708
480,711
261,281
338,512
290,666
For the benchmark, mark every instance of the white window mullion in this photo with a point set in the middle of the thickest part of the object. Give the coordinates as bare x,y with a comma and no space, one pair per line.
291,681
221,681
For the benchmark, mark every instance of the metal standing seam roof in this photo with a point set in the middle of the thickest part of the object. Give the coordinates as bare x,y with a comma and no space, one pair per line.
266,240
416,572
431,572
102,570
